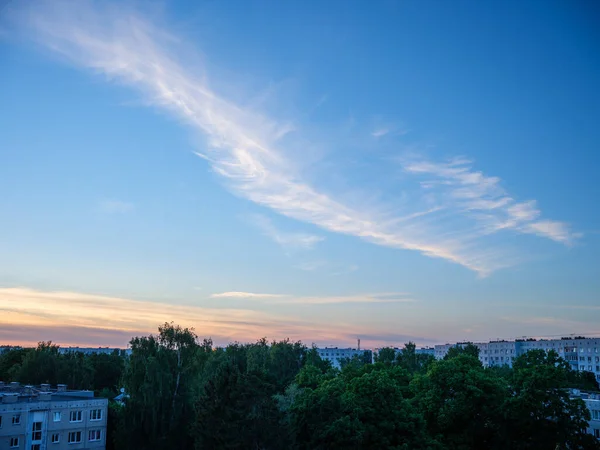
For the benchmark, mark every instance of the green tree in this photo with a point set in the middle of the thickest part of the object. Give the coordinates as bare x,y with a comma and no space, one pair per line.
386,355
161,379
461,403
460,349
366,412
108,370
41,365
75,370
540,414
11,362
238,410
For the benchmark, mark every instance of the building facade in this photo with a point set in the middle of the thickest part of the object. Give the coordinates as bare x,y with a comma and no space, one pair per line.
592,401
43,418
583,354
335,355
93,350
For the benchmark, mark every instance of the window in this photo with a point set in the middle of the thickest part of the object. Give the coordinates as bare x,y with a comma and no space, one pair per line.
595,414
75,416
96,414
36,431
0,421
597,434
55,438
74,437
94,435
35,447
16,420
14,442
56,416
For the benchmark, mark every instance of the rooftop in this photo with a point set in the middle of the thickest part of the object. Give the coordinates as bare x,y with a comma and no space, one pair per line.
16,392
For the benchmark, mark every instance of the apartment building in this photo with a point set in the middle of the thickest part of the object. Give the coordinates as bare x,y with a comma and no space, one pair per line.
418,351
592,401
335,355
93,350
581,353
45,418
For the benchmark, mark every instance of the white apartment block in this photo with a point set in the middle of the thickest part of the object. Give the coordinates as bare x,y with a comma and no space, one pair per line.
583,354
335,355
43,418
418,351
592,401
93,350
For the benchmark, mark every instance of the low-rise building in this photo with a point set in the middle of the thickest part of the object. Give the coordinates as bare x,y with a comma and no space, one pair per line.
41,418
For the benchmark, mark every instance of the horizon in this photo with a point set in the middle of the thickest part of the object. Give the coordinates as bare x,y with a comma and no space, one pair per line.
318,172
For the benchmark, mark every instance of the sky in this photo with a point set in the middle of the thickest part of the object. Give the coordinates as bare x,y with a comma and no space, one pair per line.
323,171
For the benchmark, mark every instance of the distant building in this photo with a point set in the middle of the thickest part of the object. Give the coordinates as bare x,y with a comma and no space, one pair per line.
92,350
335,355
582,354
418,351
43,418
425,351
8,348
592,401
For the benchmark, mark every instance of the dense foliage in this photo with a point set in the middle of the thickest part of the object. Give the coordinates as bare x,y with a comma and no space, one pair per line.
186,393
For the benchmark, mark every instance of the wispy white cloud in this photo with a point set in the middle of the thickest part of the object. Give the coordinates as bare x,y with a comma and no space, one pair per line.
385,127
255,154
327,267
288,240
385,297
379,132
115,207
398,297
471,193
75,318
310,266
238,294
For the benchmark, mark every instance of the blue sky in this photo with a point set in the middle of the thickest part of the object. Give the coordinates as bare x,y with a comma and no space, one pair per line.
324,171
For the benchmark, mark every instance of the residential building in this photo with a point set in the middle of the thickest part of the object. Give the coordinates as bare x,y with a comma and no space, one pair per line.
92,350
425,351
335,355
592,401
583,354
45,418
418,351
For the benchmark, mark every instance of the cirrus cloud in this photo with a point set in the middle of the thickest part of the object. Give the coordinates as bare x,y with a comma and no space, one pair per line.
254,155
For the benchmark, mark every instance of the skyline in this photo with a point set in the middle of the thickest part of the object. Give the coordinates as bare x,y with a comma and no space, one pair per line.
323,173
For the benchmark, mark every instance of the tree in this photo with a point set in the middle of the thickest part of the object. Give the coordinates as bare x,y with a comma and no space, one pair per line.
540,414
41,365
386,355
367,411
237,411
11,362
108,370
312,357
461,403
162,381
459,349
